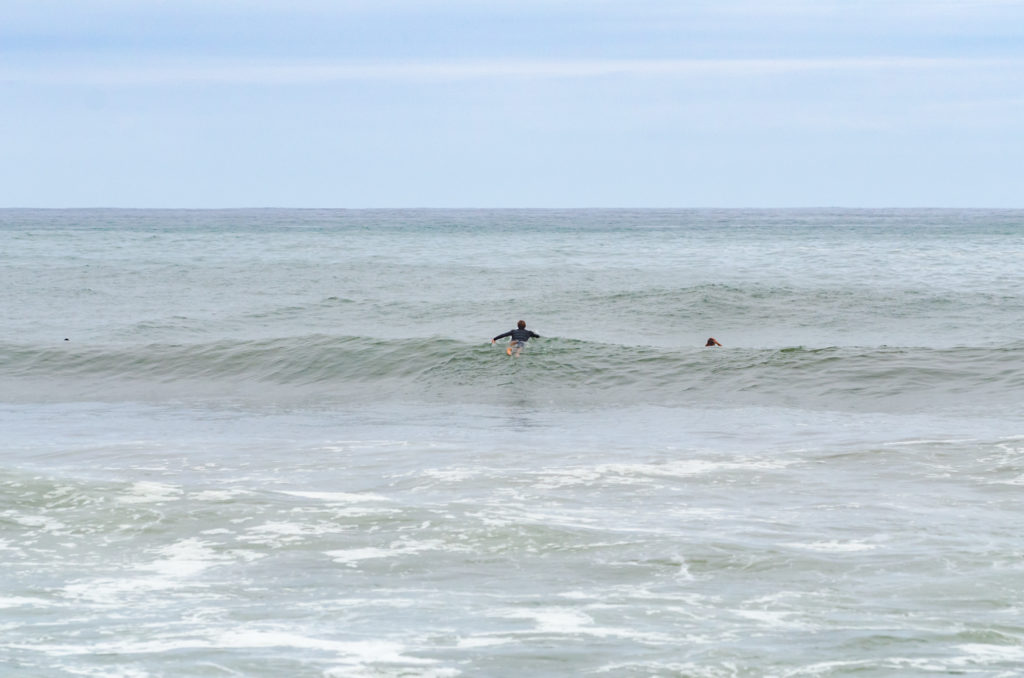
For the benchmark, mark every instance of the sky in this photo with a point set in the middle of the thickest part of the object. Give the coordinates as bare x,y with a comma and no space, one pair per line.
511,103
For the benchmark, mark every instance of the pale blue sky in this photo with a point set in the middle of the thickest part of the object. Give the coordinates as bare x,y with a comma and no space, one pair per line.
494,103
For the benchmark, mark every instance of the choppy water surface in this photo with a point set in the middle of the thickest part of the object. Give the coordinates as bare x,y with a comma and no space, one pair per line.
280,443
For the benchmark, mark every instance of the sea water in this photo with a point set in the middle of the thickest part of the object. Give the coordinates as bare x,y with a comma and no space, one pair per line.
281,443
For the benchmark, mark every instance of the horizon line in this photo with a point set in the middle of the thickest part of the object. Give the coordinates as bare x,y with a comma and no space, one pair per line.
507,208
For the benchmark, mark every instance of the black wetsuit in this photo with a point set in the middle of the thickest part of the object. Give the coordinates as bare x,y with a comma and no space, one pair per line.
518,335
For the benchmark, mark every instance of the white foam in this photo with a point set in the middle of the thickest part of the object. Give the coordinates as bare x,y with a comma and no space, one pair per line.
572,621
61,491
349,445
246,556
284,532
414,601
977,654
176,565
701,512
826,668
185,558
148,492
833,546
929,441
282,528
44,523
639,473
355,653
779,597
550,619
483,641
351,557
558,478
561,621
993,654
692,467
509,516
218,495
108,671
362,652
683,572
22,601
338,497
360,672
772,618
362,512
455,475
106,591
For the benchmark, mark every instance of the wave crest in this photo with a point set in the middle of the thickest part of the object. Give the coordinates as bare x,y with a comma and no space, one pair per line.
557,370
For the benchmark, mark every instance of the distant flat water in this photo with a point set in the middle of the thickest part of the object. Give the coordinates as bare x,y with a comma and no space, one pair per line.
280,443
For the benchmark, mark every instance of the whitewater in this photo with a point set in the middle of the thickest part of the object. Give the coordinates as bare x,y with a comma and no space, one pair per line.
281,443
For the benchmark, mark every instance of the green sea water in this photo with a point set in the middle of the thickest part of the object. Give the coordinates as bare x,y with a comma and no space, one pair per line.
280,442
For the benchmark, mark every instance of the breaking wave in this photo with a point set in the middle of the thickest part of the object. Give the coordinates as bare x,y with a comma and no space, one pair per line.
555,371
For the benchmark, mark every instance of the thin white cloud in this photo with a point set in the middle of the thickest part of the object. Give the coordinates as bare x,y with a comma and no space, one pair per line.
309,73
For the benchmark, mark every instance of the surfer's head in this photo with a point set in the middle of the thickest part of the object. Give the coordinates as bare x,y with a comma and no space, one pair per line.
521,324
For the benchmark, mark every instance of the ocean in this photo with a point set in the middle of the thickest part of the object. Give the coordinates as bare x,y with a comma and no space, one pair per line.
281,443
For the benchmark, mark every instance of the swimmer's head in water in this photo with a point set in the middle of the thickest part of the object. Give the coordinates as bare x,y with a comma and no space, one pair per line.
521,324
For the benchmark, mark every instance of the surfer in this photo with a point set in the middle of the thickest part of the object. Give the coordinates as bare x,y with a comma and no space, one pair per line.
517,338
712,342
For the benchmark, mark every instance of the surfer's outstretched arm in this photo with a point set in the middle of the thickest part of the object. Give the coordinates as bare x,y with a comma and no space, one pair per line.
520,334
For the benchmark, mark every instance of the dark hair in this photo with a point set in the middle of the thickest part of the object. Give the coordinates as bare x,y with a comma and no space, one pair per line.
521,324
